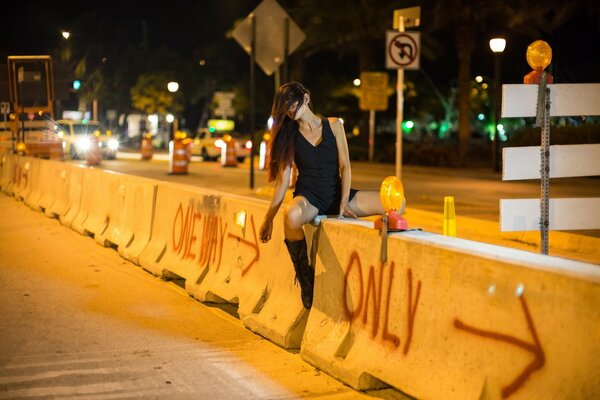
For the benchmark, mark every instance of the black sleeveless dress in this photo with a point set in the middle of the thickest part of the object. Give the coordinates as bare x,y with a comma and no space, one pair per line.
319,178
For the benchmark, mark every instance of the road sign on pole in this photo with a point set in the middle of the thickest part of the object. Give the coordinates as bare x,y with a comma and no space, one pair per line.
270,25
373,91
402,52
373,97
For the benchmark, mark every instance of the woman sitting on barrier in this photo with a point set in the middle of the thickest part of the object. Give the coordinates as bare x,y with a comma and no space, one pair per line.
319,150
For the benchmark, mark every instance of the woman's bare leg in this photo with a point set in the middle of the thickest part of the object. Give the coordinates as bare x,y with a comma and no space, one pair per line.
368,202
297,213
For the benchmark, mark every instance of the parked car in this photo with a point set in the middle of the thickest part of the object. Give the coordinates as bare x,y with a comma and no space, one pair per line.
75,136
208,144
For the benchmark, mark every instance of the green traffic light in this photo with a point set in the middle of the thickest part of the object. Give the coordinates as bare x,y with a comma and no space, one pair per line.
76,84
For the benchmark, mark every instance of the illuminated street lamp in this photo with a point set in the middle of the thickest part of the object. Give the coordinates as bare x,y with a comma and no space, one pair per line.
172,87
66,34
497,45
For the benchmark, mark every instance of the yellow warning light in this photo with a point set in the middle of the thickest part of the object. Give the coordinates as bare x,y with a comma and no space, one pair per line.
392,199
391,194
539,56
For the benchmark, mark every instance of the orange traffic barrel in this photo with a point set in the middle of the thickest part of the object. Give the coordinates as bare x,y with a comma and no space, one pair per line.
187,142
147,149
229,152
92,155
178,159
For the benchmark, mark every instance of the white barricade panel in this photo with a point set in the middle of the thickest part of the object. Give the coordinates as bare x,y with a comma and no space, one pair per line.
565,214
566,99
565,161
453,319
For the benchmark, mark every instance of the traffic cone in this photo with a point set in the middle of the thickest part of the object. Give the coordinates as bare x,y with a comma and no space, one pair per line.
449,228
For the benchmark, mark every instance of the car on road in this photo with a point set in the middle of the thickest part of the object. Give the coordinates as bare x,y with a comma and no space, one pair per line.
75,136
208,144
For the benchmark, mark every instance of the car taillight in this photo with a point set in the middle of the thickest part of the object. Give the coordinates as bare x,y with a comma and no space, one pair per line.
249,144
219,143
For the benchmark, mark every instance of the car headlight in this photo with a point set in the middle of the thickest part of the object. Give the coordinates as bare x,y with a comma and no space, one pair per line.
113,144
220,143
84,144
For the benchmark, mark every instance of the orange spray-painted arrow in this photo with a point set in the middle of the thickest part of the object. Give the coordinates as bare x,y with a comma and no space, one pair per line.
535,348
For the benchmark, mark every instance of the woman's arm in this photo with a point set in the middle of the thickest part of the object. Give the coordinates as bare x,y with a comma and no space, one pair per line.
344,161
281,186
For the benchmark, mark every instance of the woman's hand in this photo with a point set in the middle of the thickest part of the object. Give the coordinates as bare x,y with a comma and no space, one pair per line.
266,229
345,210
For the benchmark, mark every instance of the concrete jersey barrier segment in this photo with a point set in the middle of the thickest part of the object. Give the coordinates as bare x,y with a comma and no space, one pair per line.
136,217
195,237
43,186
7,167
451,318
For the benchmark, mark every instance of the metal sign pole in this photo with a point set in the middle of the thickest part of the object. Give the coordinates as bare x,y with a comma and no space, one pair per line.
399,109
543,120
252,83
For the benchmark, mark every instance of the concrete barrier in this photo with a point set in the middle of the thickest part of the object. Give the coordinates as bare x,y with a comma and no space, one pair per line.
7,166
258,277
106,221
42,189
48,197
441,318
199,235
73,196
173,248
24,175
56,203
67,186
136,217
451,318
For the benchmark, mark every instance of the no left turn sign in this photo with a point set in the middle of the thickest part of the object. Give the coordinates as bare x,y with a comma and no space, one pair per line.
4,107
403,50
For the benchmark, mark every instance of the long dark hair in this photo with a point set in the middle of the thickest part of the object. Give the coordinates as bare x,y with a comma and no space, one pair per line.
282,144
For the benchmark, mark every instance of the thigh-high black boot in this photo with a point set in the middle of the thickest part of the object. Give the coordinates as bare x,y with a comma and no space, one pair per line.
304,273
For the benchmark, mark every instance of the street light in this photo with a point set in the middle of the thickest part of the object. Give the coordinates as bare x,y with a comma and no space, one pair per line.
497,45
173,87
65,34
